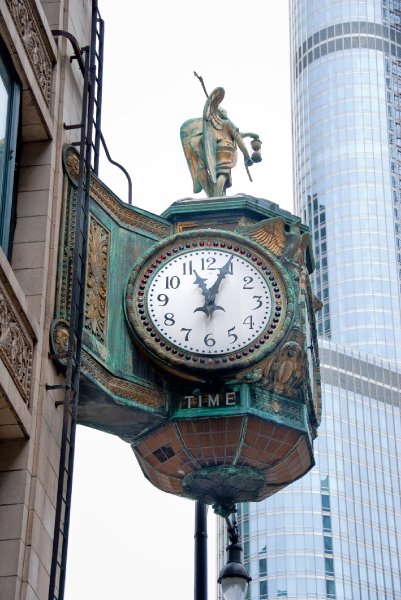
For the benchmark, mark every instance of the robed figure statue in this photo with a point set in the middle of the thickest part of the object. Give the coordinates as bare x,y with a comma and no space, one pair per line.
210,145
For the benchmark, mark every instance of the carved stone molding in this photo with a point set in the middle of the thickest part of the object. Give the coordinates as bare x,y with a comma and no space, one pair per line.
123,213
31,33
147,396
16,340
96,279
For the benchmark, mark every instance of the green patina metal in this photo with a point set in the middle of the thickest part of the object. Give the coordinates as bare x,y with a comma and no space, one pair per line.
278,409
235,484
125,393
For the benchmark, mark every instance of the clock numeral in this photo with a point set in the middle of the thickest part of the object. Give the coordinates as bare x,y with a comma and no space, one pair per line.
247,283
172,282
187,334
163,299
232,335
169,319
259,301
187,268
248,321
207,263
209,341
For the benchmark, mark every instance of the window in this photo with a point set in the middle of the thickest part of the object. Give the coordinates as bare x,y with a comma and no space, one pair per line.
10,92
263,590
262,567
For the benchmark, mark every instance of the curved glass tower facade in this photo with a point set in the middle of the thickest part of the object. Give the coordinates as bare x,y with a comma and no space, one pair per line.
337,532
346,75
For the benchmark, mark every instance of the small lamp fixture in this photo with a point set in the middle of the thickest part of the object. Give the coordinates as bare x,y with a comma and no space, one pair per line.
233,577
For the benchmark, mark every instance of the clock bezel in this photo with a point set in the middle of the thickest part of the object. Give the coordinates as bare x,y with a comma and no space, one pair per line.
190,363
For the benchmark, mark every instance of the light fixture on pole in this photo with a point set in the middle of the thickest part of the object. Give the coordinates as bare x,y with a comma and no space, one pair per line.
234,578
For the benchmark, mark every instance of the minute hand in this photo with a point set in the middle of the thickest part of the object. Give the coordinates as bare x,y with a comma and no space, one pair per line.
222,273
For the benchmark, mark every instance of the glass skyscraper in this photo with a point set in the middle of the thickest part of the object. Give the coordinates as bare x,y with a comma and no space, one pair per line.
337,532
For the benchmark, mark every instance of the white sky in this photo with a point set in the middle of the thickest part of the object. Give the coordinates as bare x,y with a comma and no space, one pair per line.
129,541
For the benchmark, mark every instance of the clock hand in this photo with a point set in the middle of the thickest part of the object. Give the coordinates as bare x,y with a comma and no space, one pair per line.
201,282
222,273
210,294
208,306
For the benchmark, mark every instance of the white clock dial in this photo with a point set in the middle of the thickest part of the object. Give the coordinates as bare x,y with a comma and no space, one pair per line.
209,301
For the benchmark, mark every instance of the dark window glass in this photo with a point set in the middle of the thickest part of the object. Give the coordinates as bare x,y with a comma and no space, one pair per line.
329,566
328,544
10,91
339,44
263,590
324,483
326,523
330,589
325,500
262,567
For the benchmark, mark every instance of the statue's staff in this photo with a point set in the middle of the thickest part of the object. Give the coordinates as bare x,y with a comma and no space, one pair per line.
202,83
247,135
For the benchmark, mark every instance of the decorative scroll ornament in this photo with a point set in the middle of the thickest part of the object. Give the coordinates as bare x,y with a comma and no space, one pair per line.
27,22
16,346
96,279
119,211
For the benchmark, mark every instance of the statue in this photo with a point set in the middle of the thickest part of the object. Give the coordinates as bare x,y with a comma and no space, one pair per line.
210,147
286,373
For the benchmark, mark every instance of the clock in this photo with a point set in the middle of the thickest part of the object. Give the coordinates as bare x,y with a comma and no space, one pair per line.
208,302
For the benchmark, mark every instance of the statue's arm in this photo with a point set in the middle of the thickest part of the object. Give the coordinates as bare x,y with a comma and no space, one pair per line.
254,136
238,137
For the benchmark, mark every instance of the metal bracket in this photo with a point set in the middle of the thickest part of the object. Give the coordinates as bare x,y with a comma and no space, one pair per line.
59,386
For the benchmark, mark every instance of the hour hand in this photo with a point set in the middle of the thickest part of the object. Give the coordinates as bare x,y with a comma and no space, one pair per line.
209,306
201,282
210,295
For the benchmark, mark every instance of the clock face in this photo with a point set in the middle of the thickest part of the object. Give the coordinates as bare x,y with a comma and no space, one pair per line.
207,304
209,301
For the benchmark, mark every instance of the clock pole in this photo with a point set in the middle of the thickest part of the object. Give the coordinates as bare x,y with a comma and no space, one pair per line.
200,570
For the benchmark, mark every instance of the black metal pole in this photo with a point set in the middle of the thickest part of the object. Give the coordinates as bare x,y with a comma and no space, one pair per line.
200,571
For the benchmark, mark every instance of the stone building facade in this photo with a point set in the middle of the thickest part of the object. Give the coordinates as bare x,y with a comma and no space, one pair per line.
40,91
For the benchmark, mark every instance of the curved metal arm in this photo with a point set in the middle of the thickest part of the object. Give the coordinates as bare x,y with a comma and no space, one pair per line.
113,162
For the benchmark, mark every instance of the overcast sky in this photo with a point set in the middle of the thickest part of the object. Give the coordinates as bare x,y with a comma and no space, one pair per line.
128,541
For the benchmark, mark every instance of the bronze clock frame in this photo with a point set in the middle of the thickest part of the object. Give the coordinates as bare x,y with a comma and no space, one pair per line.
191,364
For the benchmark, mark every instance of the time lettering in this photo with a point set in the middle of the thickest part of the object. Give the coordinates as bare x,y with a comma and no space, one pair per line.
209,400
